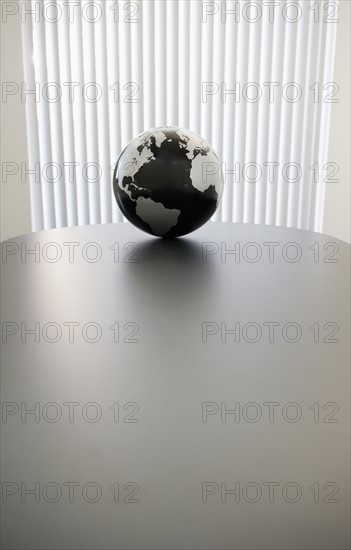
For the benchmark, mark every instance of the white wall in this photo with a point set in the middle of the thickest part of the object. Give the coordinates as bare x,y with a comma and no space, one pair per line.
337,198
15,201
15,204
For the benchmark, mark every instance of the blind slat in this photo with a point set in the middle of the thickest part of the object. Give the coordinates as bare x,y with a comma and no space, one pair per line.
137,69
195,67
219,35
184,63
92,92
79,120
263,129
251,125
103,122
56,125
43,114
35,188
297,124
328,68
285,133
160,63
172,18
274,118
113,82
240,117
67,120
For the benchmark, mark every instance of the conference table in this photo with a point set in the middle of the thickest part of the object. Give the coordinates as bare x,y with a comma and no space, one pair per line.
175,394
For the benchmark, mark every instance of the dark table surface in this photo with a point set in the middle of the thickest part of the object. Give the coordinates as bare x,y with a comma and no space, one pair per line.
187,394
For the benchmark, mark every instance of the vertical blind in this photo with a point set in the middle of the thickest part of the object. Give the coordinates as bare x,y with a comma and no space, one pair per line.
253,78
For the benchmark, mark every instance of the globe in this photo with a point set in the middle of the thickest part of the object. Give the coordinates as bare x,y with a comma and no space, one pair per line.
167,181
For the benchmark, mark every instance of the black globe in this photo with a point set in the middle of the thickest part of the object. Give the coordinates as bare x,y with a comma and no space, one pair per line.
167,181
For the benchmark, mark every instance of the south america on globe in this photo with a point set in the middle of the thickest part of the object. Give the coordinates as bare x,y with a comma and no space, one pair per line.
167,181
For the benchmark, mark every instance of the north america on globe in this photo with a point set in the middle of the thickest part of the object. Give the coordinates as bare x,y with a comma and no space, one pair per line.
167,181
